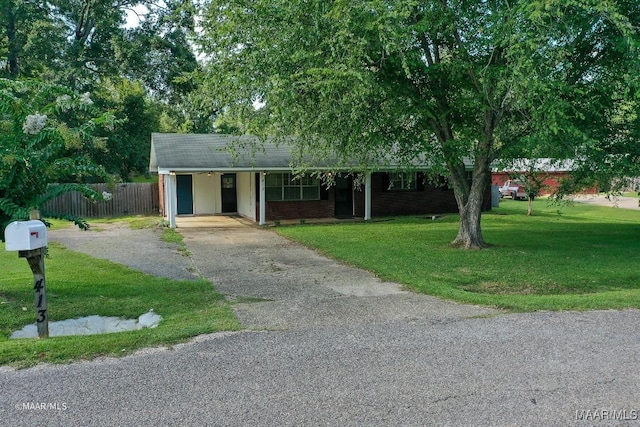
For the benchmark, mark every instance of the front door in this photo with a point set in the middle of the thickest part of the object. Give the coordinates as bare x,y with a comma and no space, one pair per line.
184,193
229,194
344,196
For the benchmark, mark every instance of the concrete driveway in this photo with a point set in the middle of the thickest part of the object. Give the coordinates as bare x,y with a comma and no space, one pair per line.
302,289
335,346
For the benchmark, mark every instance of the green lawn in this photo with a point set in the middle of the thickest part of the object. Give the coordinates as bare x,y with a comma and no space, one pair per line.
144,179
571,258
78,285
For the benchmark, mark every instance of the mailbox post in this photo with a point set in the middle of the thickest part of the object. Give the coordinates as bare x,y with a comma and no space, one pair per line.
29,238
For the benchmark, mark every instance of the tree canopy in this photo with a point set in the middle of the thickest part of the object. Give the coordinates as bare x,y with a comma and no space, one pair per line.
455,80
86,46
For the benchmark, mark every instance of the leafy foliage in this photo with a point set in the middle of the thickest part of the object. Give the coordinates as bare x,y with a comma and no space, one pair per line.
39,147
125,148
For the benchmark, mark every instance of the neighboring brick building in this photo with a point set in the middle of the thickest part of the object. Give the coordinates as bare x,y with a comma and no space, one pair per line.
201,175
551,171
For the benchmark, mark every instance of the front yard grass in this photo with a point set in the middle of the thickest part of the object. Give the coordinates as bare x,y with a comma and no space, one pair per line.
79,285
571,258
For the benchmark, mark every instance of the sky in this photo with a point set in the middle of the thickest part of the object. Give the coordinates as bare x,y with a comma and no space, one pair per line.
133,16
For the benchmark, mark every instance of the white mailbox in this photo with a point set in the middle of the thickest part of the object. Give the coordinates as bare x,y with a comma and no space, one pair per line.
25,235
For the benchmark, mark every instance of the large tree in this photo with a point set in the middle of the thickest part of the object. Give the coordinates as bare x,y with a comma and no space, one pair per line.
30,41
458,81
85,45
125,151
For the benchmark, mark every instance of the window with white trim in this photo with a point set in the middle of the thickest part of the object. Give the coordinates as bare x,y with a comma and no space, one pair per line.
403,181
286,186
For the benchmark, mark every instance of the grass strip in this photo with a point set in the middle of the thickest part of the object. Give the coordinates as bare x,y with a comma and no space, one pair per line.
79,285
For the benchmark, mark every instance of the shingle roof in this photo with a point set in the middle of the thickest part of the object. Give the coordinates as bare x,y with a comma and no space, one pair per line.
216,152
213,151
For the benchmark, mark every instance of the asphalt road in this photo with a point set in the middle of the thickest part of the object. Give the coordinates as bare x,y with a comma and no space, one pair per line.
335,346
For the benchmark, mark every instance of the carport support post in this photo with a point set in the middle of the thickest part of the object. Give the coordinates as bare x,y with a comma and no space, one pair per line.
263,198
171,200
367,196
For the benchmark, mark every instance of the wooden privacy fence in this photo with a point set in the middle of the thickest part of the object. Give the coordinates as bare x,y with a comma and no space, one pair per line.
127,199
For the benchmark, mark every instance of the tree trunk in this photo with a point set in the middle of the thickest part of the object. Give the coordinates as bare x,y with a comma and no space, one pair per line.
12,43
470,194
530,207
470,208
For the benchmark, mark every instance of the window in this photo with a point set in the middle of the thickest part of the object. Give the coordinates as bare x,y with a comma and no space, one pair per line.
286,186
403,181
228,181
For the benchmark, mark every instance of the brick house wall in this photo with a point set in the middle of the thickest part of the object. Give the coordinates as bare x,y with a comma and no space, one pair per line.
301,209
426,199
551,181
306,209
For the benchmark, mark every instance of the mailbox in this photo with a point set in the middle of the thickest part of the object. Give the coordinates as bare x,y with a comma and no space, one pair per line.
25,235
